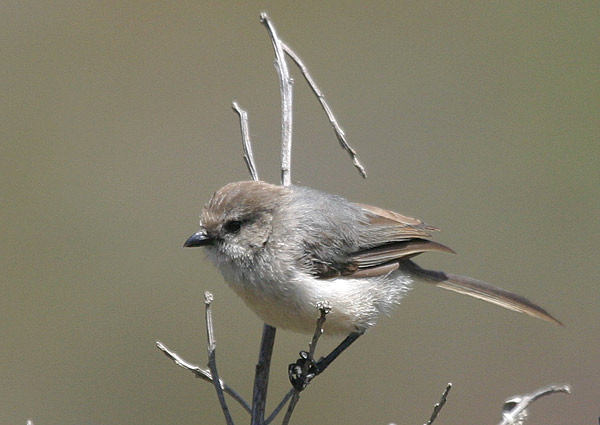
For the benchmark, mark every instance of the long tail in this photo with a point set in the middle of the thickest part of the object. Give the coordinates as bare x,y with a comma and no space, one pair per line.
482,290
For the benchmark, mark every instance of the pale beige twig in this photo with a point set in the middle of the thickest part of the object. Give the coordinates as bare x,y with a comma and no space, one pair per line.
247,143
514,410
339,132
285,86
202,374
212,357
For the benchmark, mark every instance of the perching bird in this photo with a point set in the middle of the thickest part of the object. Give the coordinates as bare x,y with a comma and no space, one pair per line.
283,249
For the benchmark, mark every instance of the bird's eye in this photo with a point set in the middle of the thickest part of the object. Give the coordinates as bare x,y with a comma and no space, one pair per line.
232,226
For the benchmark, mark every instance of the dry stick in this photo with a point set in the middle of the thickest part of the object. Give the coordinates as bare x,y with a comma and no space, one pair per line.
261,376
324,308
212,362
248,156
203,374
438,406
280,406
341,136
285,86
515,408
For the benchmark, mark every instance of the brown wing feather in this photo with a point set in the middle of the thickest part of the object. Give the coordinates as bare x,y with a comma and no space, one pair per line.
390,238
396,251
397,224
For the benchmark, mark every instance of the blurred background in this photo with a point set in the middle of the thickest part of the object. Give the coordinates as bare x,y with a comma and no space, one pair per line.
480,118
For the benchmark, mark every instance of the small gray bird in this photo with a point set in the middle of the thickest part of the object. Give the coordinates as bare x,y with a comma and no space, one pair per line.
283,249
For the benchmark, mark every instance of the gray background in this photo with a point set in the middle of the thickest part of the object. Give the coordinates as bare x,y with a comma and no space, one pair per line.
480,118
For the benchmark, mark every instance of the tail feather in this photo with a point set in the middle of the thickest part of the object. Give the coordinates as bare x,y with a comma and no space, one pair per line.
481,290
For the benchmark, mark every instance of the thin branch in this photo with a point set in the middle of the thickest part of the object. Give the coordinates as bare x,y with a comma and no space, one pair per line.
438,406
203,374
291,407
261,375
279,406
341,136
285,86
247,143
212,358
324,308
514,410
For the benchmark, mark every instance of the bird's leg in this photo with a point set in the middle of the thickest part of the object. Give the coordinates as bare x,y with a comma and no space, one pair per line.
300,380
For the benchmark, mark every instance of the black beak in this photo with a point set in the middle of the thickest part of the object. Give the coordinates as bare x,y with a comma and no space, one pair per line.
200,238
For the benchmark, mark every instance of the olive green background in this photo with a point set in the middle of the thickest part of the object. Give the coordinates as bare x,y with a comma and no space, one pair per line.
115,127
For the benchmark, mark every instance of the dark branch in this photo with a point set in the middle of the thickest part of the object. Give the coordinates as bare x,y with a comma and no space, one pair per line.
261,376
438,406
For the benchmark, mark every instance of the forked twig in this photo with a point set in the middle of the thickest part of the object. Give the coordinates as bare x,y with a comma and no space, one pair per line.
261,378
514,410
212,362
202,374
339,132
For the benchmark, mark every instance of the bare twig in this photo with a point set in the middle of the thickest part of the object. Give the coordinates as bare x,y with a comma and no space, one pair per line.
291,406
279,406
285,85
248,156
203,374
324,309
514,410
261,378
212,361
341,136
438,406
261,375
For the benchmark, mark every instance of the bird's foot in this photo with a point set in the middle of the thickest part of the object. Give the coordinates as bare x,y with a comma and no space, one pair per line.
303,371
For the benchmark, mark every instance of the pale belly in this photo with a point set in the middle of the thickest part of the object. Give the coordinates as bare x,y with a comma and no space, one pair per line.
356,303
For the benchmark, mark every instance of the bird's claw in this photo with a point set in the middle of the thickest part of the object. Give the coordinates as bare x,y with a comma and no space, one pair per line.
296,371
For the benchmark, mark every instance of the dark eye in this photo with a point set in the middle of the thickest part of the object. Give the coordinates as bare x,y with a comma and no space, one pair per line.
232,226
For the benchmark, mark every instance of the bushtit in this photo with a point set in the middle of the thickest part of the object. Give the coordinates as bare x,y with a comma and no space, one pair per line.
283,249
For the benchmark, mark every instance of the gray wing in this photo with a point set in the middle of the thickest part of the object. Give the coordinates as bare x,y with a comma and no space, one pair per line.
371,241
